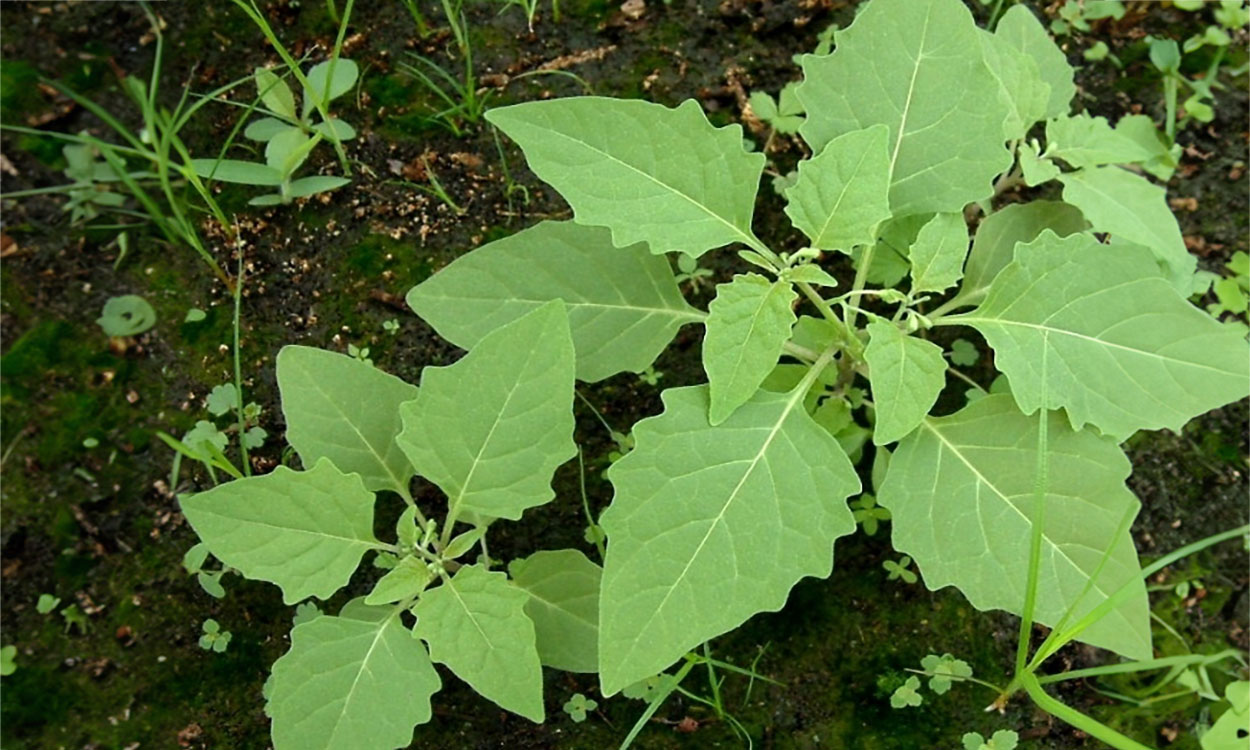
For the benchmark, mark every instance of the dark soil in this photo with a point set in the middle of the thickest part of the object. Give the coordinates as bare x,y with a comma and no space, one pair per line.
99,526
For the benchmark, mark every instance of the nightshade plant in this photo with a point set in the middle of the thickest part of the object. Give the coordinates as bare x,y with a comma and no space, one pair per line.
917,121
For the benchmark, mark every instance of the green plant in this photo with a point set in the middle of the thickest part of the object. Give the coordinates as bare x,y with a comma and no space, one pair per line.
127,315
290,134
737,490
214,638
490,431
47,604
578,706
8,660
1003,739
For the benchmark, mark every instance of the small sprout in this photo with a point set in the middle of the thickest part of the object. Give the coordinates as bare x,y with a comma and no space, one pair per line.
251,412
204,432
362,354
964,353
899,570
1098,52
193,560
222,399
944,670
194,315
8,660
90,443
650,376
907,694
214,638
254,438
47,603
74,618
577,707
391,326
306,612
868,515
594,534
210,581
644,689
690,272
1003,739
128,315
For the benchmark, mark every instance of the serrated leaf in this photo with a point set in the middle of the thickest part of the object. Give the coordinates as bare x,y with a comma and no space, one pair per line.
1127,205
747,325
937,255
960,491
1021,29
340,408
302,530
842,194
406,579
623,303
327,87
1021,89
710,525
1125,352
491,429
994,245
275,94
475,624
563,586
907,375
1084,141
649,173
357,681
917,68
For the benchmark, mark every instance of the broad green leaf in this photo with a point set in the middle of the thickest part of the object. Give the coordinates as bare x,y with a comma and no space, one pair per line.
710,525
408,578
340,408
1125,352
1035,168
937,255
306,186
275,94
1142,131
1020,86
907,374
747,325
1229,731
563,586
960,491
326,88
842,193
649,173
917,68
1127,205
491,429
1084,141
357,681
623,303
1021,29
237,171
890,256
266,128
475,623
286,151
303,530
994,245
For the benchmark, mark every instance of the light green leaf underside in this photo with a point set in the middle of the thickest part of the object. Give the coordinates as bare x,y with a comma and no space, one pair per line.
843,193
491,429
353,682
340,408
710,525
960,491
1128,206
915,66
747,325
1021,29
302,530
907,374
937,255
623,303
475,623
1020,86
1124,351
994,245
1084,141
1033,167
649,173
406,579
563,586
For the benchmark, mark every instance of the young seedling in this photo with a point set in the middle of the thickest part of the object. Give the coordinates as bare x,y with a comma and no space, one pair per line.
1003,739
127,315
47,604
8,660
214,638
578,706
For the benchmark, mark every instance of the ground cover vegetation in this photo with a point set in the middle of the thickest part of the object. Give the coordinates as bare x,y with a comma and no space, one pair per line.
973,300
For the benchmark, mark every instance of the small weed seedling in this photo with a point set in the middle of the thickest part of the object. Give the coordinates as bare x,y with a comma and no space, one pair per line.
8,660
214,638
578,706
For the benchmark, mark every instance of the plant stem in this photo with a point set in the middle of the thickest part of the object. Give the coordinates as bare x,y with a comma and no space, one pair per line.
238,369
590,518
1075,718
1140,666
